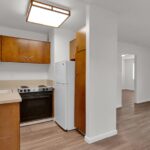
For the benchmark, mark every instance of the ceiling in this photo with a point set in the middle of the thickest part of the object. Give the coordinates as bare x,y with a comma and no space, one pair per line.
133,17
13,14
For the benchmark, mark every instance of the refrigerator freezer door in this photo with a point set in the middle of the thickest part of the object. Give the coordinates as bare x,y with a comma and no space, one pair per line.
61,105
65,72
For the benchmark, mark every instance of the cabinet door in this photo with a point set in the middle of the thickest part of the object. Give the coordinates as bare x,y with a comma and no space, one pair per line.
0,48
72,49
81,40
35,51
9,127
80,109
25,51
11,51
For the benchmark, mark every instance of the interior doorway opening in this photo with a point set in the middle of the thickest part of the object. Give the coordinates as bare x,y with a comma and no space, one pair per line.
128,79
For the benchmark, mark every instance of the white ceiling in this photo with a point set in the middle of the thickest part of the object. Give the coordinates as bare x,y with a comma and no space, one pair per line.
13,14
133,17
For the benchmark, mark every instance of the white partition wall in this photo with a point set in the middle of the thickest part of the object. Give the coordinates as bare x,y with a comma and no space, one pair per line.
101,93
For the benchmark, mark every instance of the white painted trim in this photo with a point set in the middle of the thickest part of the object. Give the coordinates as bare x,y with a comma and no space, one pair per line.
119,106
36,122
142,101
94,139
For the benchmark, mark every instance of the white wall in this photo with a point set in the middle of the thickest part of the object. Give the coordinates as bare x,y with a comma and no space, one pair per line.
127,74
23,34
62,38
51,66
101,82
17,71
142,70
60,49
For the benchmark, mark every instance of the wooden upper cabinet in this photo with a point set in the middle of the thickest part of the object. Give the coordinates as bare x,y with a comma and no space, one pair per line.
25,51
81,40
72,49
0,48
10,50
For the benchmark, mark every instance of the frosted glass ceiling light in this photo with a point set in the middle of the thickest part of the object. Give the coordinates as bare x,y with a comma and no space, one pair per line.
48,15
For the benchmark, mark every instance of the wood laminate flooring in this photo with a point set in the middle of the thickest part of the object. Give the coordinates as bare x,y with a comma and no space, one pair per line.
133,123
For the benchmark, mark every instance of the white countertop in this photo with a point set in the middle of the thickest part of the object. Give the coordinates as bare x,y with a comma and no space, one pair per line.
9,96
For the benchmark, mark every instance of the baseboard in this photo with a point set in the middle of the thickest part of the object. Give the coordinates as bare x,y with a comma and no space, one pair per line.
131,90
35,122
94,139
143,101
119,106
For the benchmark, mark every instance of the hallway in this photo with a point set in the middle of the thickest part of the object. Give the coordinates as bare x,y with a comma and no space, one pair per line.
133,132
133,126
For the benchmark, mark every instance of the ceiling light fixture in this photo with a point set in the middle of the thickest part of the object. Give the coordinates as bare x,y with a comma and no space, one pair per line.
47,15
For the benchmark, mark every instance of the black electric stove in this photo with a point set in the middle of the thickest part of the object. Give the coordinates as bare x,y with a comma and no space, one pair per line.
37,103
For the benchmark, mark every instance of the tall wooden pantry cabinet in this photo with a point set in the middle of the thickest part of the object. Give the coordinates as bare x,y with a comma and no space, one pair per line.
80,82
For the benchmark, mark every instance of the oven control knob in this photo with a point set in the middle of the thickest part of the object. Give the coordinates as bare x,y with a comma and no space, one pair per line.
24,90
28,90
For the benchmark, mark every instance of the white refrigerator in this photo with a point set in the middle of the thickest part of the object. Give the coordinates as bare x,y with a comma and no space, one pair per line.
64,94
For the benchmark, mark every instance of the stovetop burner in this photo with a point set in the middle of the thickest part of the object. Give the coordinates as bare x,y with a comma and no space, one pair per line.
24,87
40,88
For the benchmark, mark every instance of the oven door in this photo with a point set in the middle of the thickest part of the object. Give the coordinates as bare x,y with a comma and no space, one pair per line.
36,106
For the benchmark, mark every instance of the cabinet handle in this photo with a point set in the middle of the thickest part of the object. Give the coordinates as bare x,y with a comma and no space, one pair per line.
25,58
29,58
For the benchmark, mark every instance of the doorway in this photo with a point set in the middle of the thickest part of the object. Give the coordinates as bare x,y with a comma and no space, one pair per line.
128,79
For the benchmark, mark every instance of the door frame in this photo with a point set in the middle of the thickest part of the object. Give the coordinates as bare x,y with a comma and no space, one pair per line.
135,75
